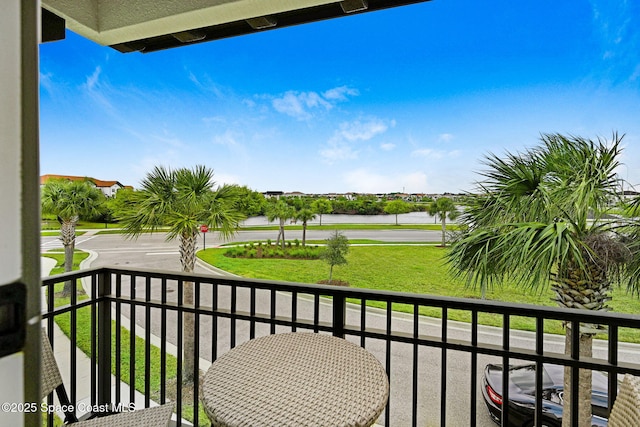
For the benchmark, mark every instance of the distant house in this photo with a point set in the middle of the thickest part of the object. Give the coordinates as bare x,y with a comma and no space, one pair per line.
271,194
108,188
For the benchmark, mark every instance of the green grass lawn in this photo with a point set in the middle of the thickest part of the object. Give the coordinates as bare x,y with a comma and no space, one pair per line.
322,242
389,226
419,269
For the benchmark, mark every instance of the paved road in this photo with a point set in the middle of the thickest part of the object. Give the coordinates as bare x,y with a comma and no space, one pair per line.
152,251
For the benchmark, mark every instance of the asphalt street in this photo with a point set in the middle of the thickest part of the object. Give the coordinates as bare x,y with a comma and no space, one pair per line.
152,251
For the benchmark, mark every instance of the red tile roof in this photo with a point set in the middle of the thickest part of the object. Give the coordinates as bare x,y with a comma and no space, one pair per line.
97,182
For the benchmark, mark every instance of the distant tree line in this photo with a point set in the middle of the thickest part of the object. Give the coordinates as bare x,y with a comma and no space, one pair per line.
253,203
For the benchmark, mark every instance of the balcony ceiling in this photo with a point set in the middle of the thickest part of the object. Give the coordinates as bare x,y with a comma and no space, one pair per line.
149,25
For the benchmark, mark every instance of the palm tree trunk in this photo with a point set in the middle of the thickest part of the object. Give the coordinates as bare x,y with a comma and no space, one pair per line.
584,381
68,237
576,289
304,233
282,232
188,260
444,229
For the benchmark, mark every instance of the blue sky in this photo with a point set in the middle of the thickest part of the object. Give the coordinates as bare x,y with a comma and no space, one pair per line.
408,99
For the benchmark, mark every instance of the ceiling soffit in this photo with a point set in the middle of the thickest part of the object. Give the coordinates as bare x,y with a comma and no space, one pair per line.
150,25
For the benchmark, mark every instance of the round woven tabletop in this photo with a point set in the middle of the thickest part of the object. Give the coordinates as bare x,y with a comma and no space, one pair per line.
297,380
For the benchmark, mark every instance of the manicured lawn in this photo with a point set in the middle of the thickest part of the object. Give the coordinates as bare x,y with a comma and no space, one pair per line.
419,269
389,226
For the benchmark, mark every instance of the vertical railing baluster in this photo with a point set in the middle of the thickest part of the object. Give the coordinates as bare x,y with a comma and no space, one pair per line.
294,310
613,361
118,346
414,392
506,328
363,321
180,313
147,344
387,412
214,322
473,381
252,310
273,312
539,368
316,312
93,357
163,341
196,355
232,332
73,360
339,312
443,369
132,340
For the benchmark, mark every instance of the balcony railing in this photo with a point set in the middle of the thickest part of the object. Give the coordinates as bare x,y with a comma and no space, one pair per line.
130,324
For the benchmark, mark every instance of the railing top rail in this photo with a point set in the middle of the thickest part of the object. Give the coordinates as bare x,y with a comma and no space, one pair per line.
451,303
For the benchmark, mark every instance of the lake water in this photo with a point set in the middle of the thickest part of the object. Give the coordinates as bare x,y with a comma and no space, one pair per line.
408,218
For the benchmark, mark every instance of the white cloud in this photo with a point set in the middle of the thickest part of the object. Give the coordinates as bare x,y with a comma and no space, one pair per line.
92,80
362,131
341,145
340,93
387,146
298,104
365,181
301,105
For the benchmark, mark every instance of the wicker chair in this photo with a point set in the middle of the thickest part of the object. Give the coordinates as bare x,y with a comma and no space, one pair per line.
52,380
626,409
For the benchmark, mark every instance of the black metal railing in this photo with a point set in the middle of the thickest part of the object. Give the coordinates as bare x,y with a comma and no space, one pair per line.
131,326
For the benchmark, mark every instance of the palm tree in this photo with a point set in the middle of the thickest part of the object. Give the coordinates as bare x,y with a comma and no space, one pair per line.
70,201
281,211
538,219
182,200
443,208
305,215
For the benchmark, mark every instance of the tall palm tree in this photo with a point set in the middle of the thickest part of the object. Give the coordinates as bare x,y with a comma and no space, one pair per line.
182,200
281,211
305,215
70,201
540,218
443,208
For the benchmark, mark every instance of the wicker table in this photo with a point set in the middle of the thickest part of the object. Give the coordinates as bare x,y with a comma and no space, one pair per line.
297,380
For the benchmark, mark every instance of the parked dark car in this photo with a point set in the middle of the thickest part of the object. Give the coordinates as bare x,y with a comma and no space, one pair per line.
522,395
